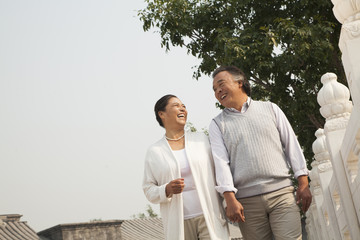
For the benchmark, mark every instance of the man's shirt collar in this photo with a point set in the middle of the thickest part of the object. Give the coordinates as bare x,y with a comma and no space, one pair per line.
244,107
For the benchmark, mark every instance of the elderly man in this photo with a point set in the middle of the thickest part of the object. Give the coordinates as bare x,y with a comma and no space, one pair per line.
253,146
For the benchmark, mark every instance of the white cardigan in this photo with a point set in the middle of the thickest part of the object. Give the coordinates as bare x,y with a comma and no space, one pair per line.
161,167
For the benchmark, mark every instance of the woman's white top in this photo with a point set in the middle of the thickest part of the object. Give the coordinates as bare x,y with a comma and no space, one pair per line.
161,167
192,207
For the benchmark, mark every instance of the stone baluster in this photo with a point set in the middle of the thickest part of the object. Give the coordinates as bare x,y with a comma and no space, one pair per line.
318,228
347,13
312,224
336,108
325,173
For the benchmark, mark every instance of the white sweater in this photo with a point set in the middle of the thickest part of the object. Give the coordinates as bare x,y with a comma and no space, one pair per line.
161,167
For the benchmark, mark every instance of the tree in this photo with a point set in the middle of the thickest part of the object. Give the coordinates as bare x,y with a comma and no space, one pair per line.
150,213
284,47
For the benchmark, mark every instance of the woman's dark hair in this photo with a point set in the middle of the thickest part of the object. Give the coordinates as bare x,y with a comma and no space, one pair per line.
160,105
237,74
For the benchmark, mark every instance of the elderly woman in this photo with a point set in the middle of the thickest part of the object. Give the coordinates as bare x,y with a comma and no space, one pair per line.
179,175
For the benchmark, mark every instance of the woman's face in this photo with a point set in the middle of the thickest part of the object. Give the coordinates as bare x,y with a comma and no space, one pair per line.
175,113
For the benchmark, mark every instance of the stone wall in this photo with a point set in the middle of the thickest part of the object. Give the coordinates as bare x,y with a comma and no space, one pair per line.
109,230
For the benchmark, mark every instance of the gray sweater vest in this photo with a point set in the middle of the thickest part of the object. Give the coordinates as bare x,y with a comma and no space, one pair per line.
257,160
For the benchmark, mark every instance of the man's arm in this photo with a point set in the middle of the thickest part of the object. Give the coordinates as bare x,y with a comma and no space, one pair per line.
224,180
223,174
295,157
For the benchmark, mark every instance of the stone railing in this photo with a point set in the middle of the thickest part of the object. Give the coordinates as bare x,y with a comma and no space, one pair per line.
335,179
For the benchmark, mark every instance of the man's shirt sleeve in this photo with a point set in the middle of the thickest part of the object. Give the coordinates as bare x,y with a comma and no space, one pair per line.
293,151
223,174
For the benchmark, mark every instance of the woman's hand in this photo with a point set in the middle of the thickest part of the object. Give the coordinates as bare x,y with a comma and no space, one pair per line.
174,187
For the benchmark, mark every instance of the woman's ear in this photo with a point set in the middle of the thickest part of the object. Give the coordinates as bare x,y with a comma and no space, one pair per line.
161,114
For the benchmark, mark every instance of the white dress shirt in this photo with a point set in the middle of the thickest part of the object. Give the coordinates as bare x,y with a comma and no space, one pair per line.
291,146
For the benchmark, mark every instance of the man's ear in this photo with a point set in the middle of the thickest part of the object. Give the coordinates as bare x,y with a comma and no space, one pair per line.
240,84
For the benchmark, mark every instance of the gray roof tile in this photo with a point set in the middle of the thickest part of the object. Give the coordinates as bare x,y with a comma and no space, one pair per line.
142,229
11,228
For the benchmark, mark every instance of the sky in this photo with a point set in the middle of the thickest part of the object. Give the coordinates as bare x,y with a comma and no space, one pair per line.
78,84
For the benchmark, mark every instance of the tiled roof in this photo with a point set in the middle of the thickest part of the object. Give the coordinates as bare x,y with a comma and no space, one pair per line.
152,228
142,229
12,229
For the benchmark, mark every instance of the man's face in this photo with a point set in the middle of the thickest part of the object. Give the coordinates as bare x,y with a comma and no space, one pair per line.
226,90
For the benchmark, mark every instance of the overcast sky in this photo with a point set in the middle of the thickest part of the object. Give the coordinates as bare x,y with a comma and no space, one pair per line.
78,82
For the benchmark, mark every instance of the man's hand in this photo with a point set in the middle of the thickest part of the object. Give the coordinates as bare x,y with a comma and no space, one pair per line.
303,194
175,187
234,209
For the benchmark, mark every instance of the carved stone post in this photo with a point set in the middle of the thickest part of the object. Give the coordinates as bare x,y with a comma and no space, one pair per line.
333,98
315,209
325,173
347,12
314,223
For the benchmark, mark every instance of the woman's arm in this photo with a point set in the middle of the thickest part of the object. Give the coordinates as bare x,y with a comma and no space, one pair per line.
154,192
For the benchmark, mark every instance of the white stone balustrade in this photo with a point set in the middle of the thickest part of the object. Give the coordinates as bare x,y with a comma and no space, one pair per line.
350,154
325,173
337,147
334,178
347,12
316,211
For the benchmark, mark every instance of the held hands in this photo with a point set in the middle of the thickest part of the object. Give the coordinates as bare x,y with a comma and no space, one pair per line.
175,187
303,194
234,209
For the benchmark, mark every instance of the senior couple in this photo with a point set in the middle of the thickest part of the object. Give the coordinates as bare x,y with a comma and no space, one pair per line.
250,149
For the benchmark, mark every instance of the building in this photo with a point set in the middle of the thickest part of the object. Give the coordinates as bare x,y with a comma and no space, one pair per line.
148,228
11,228
135,229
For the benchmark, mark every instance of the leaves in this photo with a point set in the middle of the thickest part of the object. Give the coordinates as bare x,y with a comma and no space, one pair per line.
284,47
150,214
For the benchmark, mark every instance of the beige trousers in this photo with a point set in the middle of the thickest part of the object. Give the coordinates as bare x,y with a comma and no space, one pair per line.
195,228
272,214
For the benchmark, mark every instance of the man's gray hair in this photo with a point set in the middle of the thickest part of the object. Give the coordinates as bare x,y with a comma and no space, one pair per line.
238,75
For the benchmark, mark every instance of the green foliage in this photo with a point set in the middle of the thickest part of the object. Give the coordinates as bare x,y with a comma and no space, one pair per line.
190,127
150,214
284,47
96,220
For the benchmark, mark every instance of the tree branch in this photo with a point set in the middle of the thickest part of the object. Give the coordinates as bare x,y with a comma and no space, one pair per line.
317,123
259,82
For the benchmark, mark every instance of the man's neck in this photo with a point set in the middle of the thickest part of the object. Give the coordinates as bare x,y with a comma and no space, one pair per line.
241,103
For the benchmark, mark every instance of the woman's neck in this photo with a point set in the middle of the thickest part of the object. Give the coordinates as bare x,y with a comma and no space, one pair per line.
175,138
174,134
